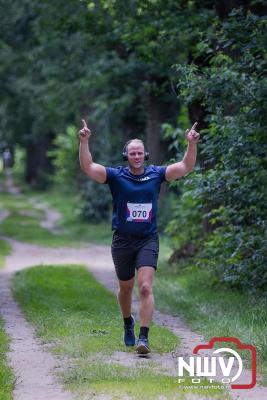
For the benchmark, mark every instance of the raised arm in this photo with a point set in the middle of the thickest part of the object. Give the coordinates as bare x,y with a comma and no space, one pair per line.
95,171
181,168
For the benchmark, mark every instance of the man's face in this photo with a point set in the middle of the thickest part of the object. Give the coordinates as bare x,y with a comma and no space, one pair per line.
136,155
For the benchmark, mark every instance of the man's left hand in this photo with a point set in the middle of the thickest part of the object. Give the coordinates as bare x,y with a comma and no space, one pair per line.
192,135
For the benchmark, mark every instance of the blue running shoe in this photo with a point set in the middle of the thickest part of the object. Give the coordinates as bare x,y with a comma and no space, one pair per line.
142,346
129,336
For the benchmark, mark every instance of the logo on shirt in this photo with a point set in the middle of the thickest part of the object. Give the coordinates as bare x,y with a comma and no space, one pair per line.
145,178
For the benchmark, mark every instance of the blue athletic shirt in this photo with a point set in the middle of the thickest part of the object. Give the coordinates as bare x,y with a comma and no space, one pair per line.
135,199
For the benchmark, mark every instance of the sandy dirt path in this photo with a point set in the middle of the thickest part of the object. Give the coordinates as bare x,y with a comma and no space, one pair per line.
32,365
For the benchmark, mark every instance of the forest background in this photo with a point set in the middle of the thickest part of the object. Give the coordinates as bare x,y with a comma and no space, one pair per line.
148,69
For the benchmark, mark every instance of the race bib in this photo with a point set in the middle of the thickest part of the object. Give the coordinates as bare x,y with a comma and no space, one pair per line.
139,212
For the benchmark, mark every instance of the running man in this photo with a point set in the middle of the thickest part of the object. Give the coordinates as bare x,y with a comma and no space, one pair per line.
135,245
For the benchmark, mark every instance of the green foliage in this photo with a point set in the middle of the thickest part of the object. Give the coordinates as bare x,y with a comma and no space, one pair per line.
185,226
65,158
213,309
18,168
233,183
93,204
107,60
97,202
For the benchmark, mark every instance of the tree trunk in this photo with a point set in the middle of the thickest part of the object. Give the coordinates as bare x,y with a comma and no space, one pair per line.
129,127
38,165
157,155
153,125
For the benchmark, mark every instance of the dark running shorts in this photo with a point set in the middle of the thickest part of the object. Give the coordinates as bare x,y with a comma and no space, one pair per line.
131,252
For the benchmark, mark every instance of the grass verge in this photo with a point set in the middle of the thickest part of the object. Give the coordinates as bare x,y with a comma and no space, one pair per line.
66,204
213,311
23,223
81,320
5,250
6,376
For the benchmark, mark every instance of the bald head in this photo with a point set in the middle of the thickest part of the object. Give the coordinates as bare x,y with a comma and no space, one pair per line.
134,143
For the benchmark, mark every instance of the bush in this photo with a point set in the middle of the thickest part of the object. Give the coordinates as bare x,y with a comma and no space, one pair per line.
96,205
65,158
233,190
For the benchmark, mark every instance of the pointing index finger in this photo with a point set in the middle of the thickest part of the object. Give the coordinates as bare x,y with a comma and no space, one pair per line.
84,123
194,126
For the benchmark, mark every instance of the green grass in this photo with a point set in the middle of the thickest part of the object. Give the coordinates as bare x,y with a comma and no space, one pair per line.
66,204
135,383
5,250
81,320
78,307
6,376
23,223
213,310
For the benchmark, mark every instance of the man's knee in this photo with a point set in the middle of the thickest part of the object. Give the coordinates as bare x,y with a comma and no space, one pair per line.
126,287
145,289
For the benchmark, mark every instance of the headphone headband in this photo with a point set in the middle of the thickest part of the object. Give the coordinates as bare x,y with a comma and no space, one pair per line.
125,153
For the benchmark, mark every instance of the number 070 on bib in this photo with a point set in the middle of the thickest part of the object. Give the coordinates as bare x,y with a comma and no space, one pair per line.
139,212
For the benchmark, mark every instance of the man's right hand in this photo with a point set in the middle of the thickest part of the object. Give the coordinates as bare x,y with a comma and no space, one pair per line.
85,132
95,171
